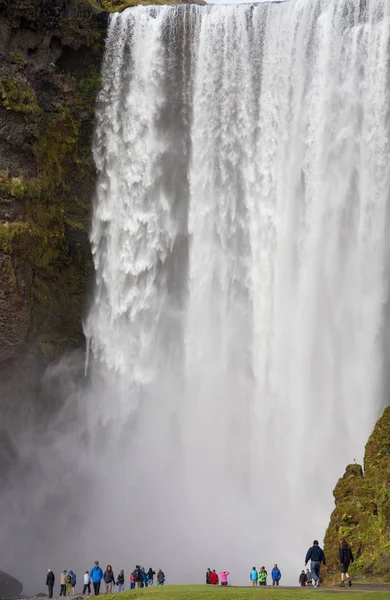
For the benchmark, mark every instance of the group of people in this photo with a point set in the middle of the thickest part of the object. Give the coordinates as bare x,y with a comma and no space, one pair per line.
316,556
139,578
213,579
259,577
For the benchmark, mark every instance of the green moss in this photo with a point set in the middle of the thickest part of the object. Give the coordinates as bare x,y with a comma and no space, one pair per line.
18,95
8,233
362,512
18,187
17,59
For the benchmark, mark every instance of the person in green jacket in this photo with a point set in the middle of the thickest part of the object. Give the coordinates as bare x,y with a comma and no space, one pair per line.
262,576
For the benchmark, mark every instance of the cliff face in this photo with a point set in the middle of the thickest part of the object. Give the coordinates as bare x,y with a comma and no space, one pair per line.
362,512
50,56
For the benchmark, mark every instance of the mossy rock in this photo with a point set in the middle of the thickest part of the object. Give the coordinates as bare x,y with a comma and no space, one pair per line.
362,512
18,95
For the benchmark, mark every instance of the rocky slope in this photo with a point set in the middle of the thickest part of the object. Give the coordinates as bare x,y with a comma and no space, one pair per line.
362,512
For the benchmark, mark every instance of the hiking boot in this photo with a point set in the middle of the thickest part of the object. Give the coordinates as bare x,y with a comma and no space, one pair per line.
349,581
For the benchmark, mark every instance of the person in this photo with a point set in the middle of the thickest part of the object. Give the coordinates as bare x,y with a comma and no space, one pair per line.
308,577
160,577
50,580
138,577
253,576
224,575
68,586
316,555
96,575
151,575
214,579
109,579
208,573
132,581
145,577
302,579
87,583
63,583
72,581
263,576
276,575
346,557
121,581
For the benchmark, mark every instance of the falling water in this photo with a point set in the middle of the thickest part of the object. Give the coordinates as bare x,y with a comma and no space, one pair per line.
240,244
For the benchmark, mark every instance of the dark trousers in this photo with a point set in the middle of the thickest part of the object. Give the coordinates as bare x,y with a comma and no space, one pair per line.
63,589
96,587
87,586
50,590
275,582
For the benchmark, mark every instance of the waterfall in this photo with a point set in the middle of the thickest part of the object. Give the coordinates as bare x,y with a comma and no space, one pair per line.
240,239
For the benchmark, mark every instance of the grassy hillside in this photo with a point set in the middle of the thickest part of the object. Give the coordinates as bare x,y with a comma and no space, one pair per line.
362,512
198,592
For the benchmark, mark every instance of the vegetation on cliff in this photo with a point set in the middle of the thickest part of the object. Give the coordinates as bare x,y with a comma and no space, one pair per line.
362,512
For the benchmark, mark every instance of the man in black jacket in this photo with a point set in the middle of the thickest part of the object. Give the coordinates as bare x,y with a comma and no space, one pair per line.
50,579
316,555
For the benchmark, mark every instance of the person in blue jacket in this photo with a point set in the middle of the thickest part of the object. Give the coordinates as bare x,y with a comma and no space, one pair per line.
276,575
316,555
253,576
96,576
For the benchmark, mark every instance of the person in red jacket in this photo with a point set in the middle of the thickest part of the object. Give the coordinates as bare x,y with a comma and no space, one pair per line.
214,578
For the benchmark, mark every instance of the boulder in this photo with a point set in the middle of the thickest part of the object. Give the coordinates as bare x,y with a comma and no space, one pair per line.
9,586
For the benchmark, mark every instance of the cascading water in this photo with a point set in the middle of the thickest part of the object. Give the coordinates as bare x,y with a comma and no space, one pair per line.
240,243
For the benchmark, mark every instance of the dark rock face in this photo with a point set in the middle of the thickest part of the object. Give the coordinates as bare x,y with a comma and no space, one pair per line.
362,512
50,55
9,586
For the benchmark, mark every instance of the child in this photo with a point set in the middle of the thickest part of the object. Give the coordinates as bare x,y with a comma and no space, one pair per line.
302,579
308,577
87,583
132,581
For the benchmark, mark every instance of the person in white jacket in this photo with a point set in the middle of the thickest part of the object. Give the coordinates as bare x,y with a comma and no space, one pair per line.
87,583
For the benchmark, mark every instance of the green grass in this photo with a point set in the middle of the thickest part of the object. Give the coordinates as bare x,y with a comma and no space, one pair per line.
198,592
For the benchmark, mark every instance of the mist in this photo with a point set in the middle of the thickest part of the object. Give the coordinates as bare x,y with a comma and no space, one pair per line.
236,337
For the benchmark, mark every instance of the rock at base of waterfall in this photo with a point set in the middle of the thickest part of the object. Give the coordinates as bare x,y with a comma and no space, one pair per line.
9,586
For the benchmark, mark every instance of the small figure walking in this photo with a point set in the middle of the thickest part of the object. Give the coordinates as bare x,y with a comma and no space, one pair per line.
160,577
346,557
316,555
121,581
50,580
96,575
87,584
132,581
253,576
302,579
308,577
151,575
109,579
